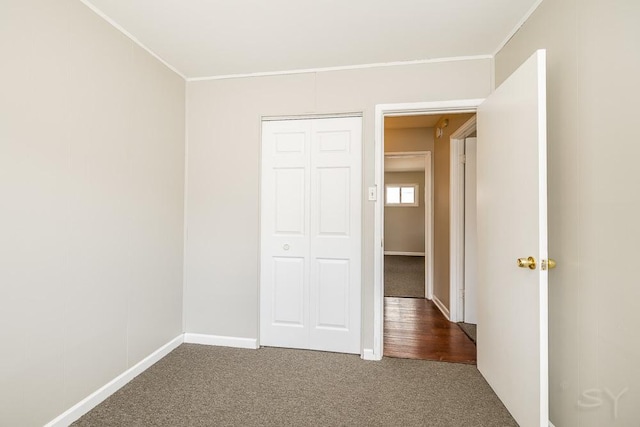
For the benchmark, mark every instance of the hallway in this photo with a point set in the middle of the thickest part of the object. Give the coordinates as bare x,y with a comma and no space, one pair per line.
414,328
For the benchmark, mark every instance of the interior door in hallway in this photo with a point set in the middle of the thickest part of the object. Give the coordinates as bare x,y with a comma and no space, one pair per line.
310,234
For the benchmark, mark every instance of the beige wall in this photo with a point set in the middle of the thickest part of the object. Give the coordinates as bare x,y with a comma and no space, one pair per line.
594,205
404,226
441,212
223,121
399,236
407,140
91,183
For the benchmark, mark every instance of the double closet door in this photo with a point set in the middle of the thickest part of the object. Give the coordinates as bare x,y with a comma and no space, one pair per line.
310,266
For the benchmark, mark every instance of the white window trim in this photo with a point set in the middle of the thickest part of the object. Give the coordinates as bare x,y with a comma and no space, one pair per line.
416,196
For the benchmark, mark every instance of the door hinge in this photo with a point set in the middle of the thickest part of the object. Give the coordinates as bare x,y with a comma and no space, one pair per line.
463,158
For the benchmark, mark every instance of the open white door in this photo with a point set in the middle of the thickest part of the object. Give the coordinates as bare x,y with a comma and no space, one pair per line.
512,224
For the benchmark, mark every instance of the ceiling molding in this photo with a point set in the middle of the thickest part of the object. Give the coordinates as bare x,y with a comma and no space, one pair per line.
341,68
130,36
520,23
162,41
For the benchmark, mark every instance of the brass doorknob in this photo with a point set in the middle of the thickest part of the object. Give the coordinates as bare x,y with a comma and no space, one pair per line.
527,263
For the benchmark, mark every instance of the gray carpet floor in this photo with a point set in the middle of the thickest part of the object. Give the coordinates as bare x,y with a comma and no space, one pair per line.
469,329
215,386
404,276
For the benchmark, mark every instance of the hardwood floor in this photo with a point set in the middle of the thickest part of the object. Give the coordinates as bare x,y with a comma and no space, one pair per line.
414,328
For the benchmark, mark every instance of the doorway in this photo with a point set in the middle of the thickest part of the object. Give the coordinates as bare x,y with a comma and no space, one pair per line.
408,229
512,226
425,315
463,208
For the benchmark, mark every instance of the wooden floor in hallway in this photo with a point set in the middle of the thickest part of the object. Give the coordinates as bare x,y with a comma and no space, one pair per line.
414,328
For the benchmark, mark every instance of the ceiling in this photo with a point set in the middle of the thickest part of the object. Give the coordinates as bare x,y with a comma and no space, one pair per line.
207,38
405,122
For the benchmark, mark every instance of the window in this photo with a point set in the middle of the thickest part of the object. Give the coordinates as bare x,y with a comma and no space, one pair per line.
401,195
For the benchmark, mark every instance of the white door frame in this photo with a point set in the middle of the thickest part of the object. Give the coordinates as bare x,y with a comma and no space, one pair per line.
428,213
456,220
382,111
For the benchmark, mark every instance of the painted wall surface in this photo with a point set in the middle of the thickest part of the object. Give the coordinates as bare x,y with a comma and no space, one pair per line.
404,225
223,122
441,211
594,205
91,191
407,140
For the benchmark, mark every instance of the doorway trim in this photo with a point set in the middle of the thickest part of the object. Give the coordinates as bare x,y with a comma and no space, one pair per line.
456,219
382,111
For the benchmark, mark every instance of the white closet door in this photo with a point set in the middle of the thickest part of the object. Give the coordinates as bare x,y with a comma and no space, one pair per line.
310,246
335,235
284,274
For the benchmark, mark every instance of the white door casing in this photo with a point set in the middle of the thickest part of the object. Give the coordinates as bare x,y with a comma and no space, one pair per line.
428,225
382,111
470,233
310,291
458,163
512,223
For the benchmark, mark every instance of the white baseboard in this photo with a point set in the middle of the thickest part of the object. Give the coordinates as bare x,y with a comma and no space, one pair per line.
222,341
404,253
98,396
442,307
368,354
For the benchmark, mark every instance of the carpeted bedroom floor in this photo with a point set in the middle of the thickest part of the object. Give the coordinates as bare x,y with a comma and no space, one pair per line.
199,385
